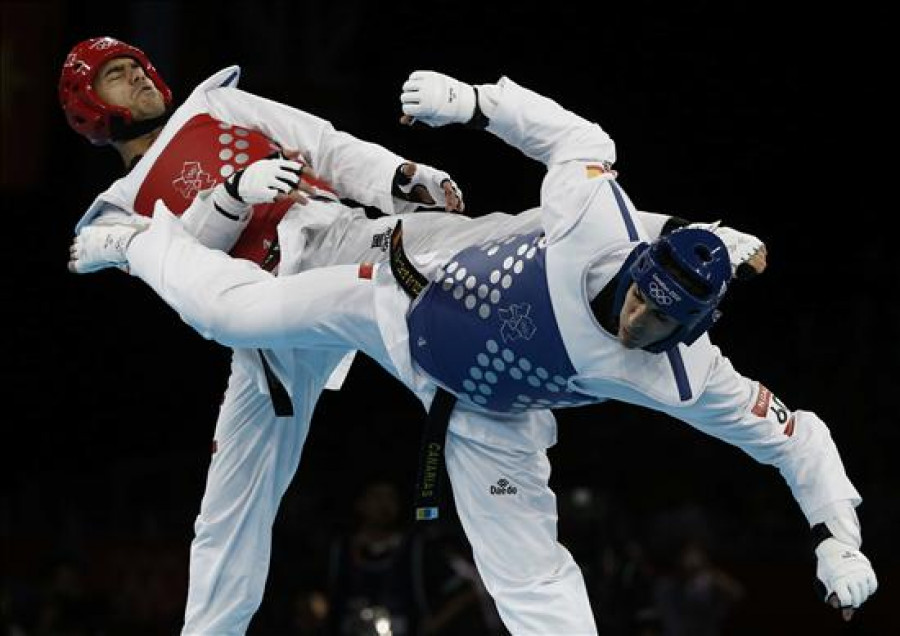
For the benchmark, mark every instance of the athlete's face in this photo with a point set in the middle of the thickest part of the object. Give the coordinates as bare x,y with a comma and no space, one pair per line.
641,322
122,82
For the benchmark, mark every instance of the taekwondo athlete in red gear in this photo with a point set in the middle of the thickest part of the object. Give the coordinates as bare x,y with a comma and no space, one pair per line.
219,133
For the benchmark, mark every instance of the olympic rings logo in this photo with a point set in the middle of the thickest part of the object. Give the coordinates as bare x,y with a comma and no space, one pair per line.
659,294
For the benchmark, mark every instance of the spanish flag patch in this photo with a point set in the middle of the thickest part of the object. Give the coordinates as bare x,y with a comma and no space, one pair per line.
366,270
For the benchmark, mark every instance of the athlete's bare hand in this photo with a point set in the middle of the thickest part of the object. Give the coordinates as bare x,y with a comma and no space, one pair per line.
757,263
420,183
846,612
309,181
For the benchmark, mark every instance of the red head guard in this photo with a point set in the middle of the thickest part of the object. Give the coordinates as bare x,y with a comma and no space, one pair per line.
85,112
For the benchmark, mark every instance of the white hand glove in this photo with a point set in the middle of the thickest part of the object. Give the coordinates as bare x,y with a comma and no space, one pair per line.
263,180
442,190
741,247
436,99
845,572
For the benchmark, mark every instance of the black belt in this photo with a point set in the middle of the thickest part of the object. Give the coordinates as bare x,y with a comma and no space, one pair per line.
430,474
411,280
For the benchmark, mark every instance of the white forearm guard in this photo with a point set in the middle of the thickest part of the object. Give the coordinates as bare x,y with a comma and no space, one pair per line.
216,219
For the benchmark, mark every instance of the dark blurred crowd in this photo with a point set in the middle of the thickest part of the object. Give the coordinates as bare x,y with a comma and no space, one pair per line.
368,572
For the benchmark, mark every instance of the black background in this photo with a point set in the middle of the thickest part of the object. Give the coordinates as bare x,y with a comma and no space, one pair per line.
769,118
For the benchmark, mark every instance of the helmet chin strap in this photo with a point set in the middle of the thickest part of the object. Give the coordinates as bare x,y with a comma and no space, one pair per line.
120,131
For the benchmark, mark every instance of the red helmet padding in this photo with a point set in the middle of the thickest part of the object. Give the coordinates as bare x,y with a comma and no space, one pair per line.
85,112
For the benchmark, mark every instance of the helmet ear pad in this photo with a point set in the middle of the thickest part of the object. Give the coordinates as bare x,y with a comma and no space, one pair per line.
86,113
686,274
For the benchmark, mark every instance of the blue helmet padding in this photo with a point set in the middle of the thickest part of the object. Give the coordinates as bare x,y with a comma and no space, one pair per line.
703,258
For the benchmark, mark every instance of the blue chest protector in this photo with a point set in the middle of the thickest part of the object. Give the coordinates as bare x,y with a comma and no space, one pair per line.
485,329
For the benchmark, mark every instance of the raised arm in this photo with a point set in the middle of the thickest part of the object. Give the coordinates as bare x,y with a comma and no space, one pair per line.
359,170
568,144
535,125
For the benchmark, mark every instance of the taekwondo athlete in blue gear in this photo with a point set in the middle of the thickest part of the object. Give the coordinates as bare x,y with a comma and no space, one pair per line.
583,290
687,301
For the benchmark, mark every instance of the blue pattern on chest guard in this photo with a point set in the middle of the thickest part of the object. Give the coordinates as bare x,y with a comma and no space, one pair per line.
485,329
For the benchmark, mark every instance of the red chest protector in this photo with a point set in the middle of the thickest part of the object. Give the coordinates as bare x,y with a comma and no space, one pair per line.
203,153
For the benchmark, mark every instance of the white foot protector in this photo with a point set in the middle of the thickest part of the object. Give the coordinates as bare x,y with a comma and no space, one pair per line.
741,246
102,245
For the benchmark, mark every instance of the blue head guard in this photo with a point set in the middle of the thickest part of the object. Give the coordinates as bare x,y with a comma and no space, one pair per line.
685,274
